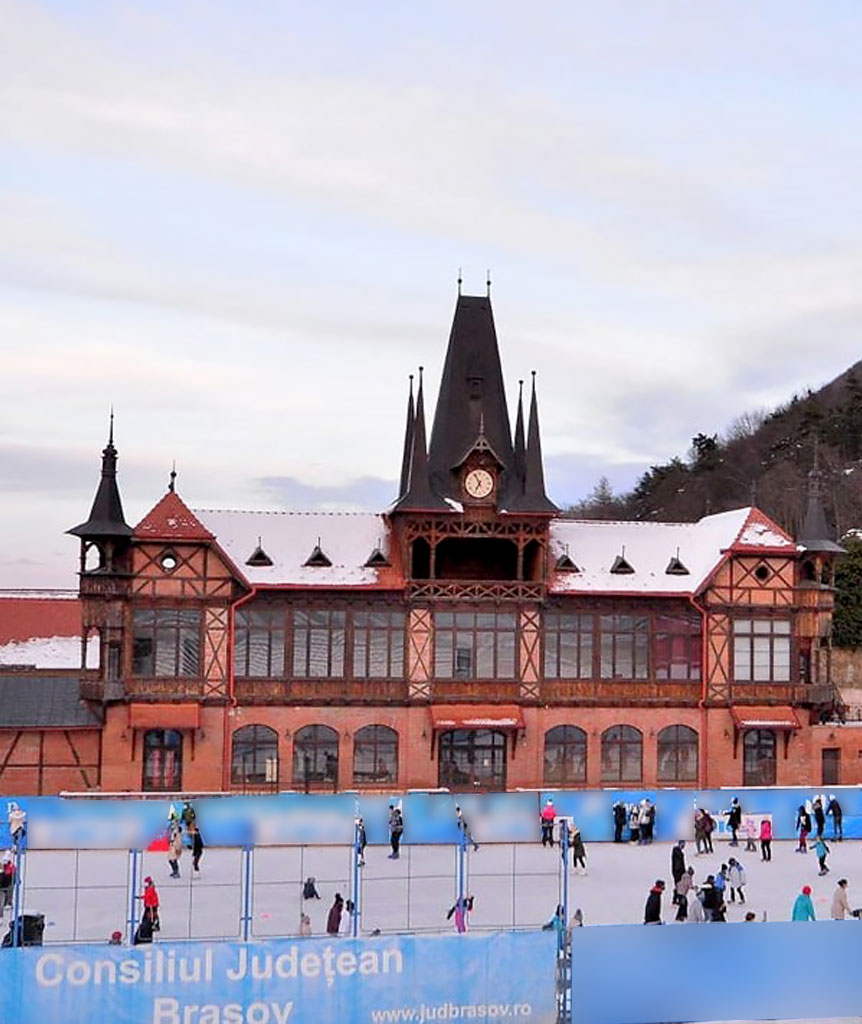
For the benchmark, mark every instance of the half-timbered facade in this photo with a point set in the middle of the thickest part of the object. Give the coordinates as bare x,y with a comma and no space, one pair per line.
470,636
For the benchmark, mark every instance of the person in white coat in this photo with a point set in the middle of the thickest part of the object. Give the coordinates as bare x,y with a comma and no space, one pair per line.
735,880
841,908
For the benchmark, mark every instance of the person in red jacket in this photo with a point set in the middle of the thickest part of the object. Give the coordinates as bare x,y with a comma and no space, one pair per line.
766,839
548,816
151,903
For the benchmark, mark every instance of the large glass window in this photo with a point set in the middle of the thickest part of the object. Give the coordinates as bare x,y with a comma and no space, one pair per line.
166,642
254,761
318,643
565,755
259,642
625,644
163,760
315,756
622,754
677,754
375,755
474,645
378,645
758,762
761,650
677,647
472,759
568,645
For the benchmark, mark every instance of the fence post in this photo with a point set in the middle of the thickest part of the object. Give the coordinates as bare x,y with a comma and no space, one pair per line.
246,894
564,864
16,898
563,953
133,895
462,864
357,853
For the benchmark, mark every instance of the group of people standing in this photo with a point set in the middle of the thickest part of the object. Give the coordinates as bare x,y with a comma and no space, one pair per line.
639,817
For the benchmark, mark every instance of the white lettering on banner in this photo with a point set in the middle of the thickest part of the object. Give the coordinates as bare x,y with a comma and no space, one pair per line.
170,1011
327,964
52,969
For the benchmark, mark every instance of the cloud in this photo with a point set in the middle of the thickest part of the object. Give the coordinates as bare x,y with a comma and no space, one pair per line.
369,493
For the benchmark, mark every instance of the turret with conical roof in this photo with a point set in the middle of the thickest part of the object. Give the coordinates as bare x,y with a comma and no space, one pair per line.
417,494
816,534
533,497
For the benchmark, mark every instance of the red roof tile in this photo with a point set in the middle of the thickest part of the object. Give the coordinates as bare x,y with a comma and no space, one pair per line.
171,519
26,618
760,532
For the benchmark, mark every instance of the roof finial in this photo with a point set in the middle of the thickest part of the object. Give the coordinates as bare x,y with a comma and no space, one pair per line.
488,283
111,429
410,375
459,282
172,486
421,371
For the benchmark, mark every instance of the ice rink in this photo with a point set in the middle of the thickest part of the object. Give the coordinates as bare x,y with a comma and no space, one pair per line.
85,894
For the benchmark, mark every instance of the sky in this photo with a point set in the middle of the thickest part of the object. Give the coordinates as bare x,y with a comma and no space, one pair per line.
241,226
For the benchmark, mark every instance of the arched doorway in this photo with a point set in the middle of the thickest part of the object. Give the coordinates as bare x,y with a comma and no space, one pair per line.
472,759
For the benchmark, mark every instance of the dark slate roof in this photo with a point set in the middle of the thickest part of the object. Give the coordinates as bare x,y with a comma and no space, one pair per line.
106,516
43,702
471,396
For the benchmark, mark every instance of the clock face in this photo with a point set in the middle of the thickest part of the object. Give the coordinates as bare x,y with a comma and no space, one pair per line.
479,483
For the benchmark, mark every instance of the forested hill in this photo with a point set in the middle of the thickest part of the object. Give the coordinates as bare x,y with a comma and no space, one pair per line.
763,459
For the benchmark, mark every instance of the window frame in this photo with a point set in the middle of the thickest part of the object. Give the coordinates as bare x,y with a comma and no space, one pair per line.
613,635
380,740
167,640
257,745
498,745
319,740
677,653
684,737
170,747
752,641
260,627
388,634
468,644
578,638
306,628
621,738
752,775
572,739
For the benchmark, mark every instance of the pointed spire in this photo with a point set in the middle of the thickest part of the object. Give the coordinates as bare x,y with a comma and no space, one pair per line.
172,484
815,534
460,282
520,447
418,494
106,515
534,498
408,443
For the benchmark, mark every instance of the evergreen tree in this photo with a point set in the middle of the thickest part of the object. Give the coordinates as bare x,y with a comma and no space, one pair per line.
847,620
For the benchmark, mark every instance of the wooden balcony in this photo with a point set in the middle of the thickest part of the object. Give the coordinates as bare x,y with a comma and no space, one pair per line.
609,693
475,590
321,691
96,585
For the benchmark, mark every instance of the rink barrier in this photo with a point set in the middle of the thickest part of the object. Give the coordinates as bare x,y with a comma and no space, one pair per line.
294,819
651,974
355,981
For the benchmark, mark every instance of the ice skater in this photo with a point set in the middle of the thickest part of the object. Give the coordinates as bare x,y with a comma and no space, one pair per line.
681,892
834,808
462,908
547,818
822,851
309,889
736,880
749,826
333,920
579,854
819,816
634,824
361,842
7,882
17,818
803,906
150,897
766,840
734,820
175,851
197,848
710,898
652,909
619,820
677,866
396,830
841,908
465,828
803,828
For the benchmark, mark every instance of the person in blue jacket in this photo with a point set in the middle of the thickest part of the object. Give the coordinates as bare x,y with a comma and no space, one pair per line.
803,907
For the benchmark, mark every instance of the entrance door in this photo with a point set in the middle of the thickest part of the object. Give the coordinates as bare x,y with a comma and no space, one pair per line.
831,765
472,759
758,764
163,760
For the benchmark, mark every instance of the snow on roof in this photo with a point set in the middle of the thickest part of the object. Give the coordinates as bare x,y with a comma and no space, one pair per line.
594,546
288,538
49,652
26,615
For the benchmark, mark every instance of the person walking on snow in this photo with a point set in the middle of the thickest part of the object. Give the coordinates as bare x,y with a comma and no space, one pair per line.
396,830
711,898
699,832
841,908
819,816
736,880
652,910
361,842
579,854
151,904
766,839
822,851
803,827
333,920
547,818
677,866
708,828
197,848
682,889
803,906
834,808
734,820
750,828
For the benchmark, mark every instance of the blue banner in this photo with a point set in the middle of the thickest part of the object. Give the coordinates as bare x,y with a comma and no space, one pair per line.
638,974
353,981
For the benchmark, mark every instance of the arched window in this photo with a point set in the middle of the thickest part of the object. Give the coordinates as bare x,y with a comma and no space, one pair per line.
375,755
622,754
758,761
565,755
163,760
677,754
254,761
315,756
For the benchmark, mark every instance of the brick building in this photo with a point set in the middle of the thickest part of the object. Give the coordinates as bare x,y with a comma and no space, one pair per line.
469,637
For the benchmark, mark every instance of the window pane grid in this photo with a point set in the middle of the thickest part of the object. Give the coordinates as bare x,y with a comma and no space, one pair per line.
624,646
166,642
471,645
318,643
378,645
761,650
568,640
